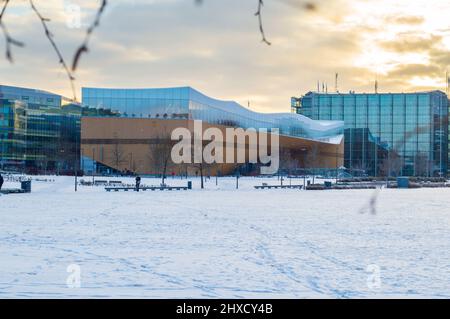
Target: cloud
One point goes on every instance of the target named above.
(406, 20)
(412, 43)
(414, 76)
(440, 56)
(406, 71)
(216, 47)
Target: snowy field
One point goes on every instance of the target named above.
(223, 242)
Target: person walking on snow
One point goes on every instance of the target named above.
(138, 183)
(1, 181)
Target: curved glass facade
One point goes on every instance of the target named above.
(185, 102)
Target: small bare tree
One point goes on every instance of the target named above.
(202, 166)
(160, 152)
(363, 166)
(117, 153)
(396, 164)
(421, 164)
(391, 165)
(288, 161)
(383, 166)
(311, 159)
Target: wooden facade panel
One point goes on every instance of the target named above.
(102, 138)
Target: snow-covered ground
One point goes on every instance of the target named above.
(224, 243)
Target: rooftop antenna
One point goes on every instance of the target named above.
(326, 88)
(447, 77)
(336, 83)
(318, 87)
(376, 82)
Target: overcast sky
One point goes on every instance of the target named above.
(216, 47)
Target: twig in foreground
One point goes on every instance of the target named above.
(84, 46)
(9, 41)
(261, 28)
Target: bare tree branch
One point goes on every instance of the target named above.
(261, 28)
(49, 36)
(9, 41)
(84, 46)
(259, 15)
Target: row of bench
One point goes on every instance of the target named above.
(100, 183)
(279, 187)
(144, 189)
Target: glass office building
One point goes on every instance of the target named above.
(187, 103)
(39, 131)
(387, 134)
(148, 114)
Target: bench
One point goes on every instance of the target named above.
(265, 186)
(7, 191)
(144, 189)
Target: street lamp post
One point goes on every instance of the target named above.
(304, 150)
(337, 170)
(389, 169)
(131, 163)
(94, 167)
(75, 166)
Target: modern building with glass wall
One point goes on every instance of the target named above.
(165, 109)
(187, 103)
(387, 134)
(39, 131)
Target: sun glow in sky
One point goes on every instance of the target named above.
(401, 33)
(216, 47)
